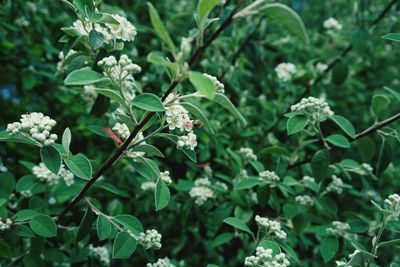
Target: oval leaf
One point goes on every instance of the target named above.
(344, 124)
(80, 166)
(83, 77)
(124, 246)
(338, 140)
(161, 195)
(51, 158)
(148, 102)
(103, 227)
(43, 225)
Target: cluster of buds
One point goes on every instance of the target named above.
(148, 186)
(308, 179)
(336, 185)
(123, 30)
(285, 71)
(36, 126)
(121, 73)
(165, 262)
(45, 175)
(338, 228)
(178, 118)
(63, 57)
(332, 24)
(305, 200)
(247, 153)
(202, 191)
(100, 253)
(392, 204)
(166, 177)
(321, 67)
(5, 224)
(315, 109)
(220, 86)
(270, 177)
(151, 239)
(265, 257)
(271, 227)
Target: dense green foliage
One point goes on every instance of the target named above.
(290, 146)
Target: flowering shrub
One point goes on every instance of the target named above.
(199, 133)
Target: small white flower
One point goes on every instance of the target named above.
(285, 71)
(148, 186)
(165, 262)
(5, 224)
(220, 86)
(270, 177)
(336, 185)
(392, 204)
(338, 228)
(101, 253)
(265, 257)
(321, 67)
(304, 200)
(270, 227)
(36, 126)
(188, 141)
(165, 177)
(332, 24)
(151, 239)
(201, 192)
(122, 130)
(247, 153)
(45, 175)
(314, 108)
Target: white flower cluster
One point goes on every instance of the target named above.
(151, 239)
(308, 179)
(101, 253)
(166, 177)
(62, 58)
(392, 204)
(121, 73)
(201, 191)
(265, 257)
(165, 262)
(270, 177)
(338, 228)
(188, 141)
(220, 86)
(148, 186)
(89, 93)
(271, 227)
(36, 126)
(5, 224)
(314, 108)
(336, 185)
(185, 48)
(321, 67)
(285, 71)
(45, 175)
(26, 193)
(124, 30)
(305, 200)
(247, 153)
(122, 130)
(178, 118)
(332, 24)
(367, 168)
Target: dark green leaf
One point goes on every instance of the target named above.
(51, 158)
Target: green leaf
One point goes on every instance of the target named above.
(268, 244)
(96, 39)
(161, 195)
(340, 72)
(148, 102)
(204, 8)
(344, 124)
(51, 158)
(287, 17)
(103, 227)
(222, 239)
(238, 224)
(198, 113)
(202, 84)
(338, 140)
(247, 183)
(111, 94)
(290, 210)
(296, 124)
(130, 222)
(43, 225)
(392, 37)
(84, 76)
(274, 150)
(320, 163)
(393, 242)
(80, 166)
(7, 137)
(328, 248)
(86, 224)
(124, 246)
(379, 104)
(2, 202)
(224, 101)
(66, 139)
(24, 215)
(5, 250)
(160, 29)
(24, 231)
(26, 182)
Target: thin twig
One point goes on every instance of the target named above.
(114, 158)
(370, 130)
